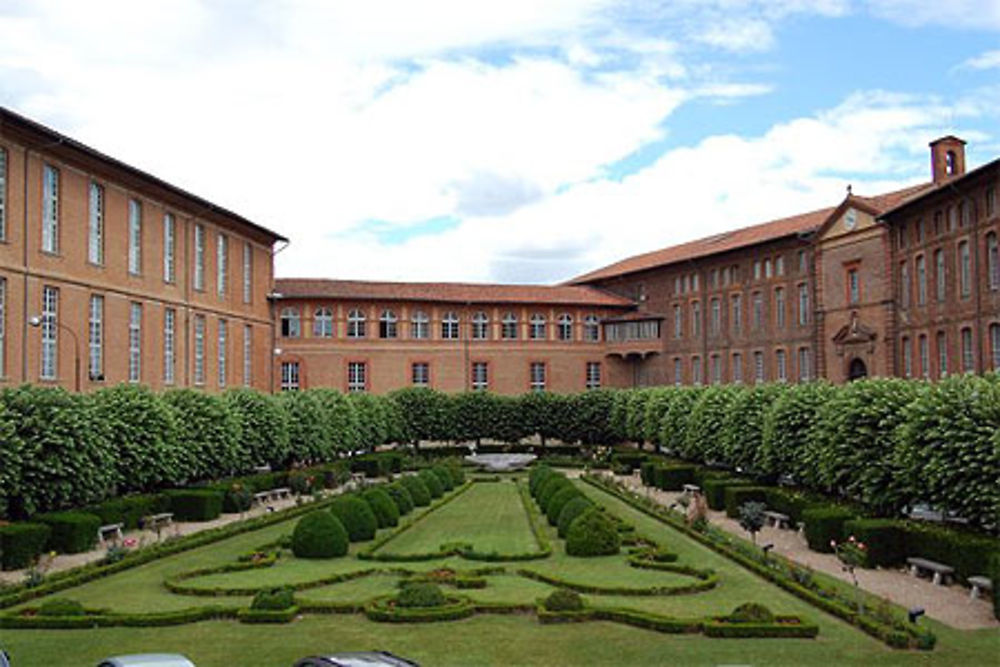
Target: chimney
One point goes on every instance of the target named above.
(947, 158)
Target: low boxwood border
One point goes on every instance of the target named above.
(368, 553)
(268, 615)
(707, 581)
(108, 620)
(378, 609)
(788, 627)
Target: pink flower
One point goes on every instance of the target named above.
(861, 545)
(833, 543)
(850, 539)
(130, 542)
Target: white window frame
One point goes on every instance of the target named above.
(420, 374)
(169, 346)
(992, 261)
(50, 209)
(757, 304)
(290, 376)
(480, 326)
(169, 248)
(805, 364)
(593, 378)
(480, 376)
(95, 224)
(450, 326)
(247, 355)
(759, 369)
(322, 323)
(781, 365)
(356, 323)
(592, 329)
(923, 350)
(736, 371)
(940, 275)
(50, 333)
(942, 350)
(247, 272)
(736, 313)
(678, 322)
(199, 350)
(696, 370)
(695, 319)
(3, 196)
(537, 327)
(968, 359)
(134, 237)
(420, 325)
(199, 257)
(921, 267)
(716, 315)
(3, 327)
(536, 375)
(564, 327)
(134, 342)
(221, 358)
(964, 269)
(995, 345)
(803, 304)
(508, 326)
(388, 324)
(906, 356)
(95, 338)
(678, 371)
(291, 322)
(716, 363)
(222, 264)
(779, 307)
(357, 377)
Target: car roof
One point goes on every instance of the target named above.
(366, 659)
(147, 660)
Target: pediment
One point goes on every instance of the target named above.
(855, 333)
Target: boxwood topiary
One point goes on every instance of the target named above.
(72, 532)
(357, 517)
(419, 492)
(824, 524)
(751, 612)
(736, 496)
(549, 488)
(195, 504)
(558, 501)
(563, 600)
(570, 511)
(593, 533)
(21, 543)
(401, 496)
(447, 483)
(431, 481)
(456, 472)
(382, 505)
(61, 607)
(538, 475)
(420, 594)
(319, 534)
(275, 599)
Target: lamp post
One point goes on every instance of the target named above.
(37, 321)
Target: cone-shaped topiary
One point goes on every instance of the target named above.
(357, 517)
(593, 533)
(319, 535)
(570, 511)
(401, 496)
(558, 501)
(419, 492)
(433, 483)
(386, 512)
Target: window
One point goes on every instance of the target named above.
(95, 338)
(419, 325)
(904, 285)
(737, 369)
(768, 270)
(677, 285)
(713, 278)
(779, 307)
(991, 200)
(716, 317)
(696, 370)
(678, 322)
(925, 356)
(725, 277)
(222, 264)
(694, 282)
(906, 356)
(564, 327)
(758, 311)
(169, 245)
(247, 272)
(803, 304)
(942, 350)
(756, 269)
(736, 313)
(938, 223)
(134, 237)
(449, 326)
(322, 323)
(591, 329)
(779, 265)
(50, 209)
(853, 286)
(291, 326)
(940, 276)
(995, 346)
(901, 236)
(480, 376)
(480, 326)
(964, 269)
(716, 363)
(247, 355)
(537, 373)
(968, 211)
(169, 363)
(594, 374)
(387, 324)
(357, 376)
(95, 226)
(968, 362)
(695, 318)
(759, 372)
(508, 328)
(3, 197)
(803, 261)
(135, 342)
(199, 349)
(781, 365)
(678, 371)
(921, 281)
(952, 218)
(420, 372)
(355, 324)
(50, 340)
(3, 327)
(199, 257)
(536, 330)
(805, 365)
(992, 261)
(289, 376)
(640, 330)
(223, 335)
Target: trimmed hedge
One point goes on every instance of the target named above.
(593, 534)
(444, 476)
(21, 544)
(357, 517)
(401, 497)
(71, 532)
(558, 501)
(673, 477)
(195, 504)
(792, 501)
(551, 487)
(419, 492)
(382, 505)
(319, 535)
(432, 482)
(714, 489)
(824, 524)
(570, 511)
(967, 552)
(736, 496)
(884, 540)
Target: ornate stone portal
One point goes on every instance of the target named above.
(855, 342)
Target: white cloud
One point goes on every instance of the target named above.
(986, 60)
(974, 14)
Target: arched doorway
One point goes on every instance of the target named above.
(856, 370)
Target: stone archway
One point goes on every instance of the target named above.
(857, 370)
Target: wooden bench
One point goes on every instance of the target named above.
(777, 519)
(112, 529)
(979, 584)
(940, 571)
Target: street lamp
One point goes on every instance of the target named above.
(37, 321)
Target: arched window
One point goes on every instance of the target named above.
(387, 324)
(480, 326)
(565, 327)
(291, 326)
(449, 326)
(509, 326)
(355, 324)
(322, 323)
(419, 325)
(537, 329)
(950, 163)
(964, 269)
(992, 261)
(591, 329)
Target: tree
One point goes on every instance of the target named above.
(752, 518)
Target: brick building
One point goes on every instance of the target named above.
(109, 275)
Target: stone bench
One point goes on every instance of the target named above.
(691, 489)
(940, 571)
(272, 494)
(112, 529)
(777, 519)
(979, 584)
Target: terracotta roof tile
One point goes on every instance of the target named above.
(448, 292)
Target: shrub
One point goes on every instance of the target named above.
(550, 487)
(209, 434)
(674, 423)
(237, 498)
(791, 429)
(357, 517)
(195, 504)
(563, 599)
(673, 477)
(61, 607)
(647, 473)
(21, 544)
(419, 492)
(751, 516)
(425, 413)
(558, 501)
(342, 424)
(319, 534)
(399, 494)
(444, 476)
(538, 474)
(570, 511)
(308, 430)
(884, 540)
(372, 419)
(264, 426)
(71, 532)
(823, 525)
(751, 612)
(703, 437)
(275, 599)
(382, 505)
(590, 412)
(420, 594)
(454, 468)
(431, 481)
(968, 553)
(715, 490)
(792, 501)
(736, 496)
(743, 429)
(592, 534)
(128, 510)
(994, 574)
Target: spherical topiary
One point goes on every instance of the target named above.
(538, 475)
(563, 600)
(593, 533)
(61, 607)
(432, 482)
(357, 517)
(456, 472)
(275, 599)
(419, 492)
(420, 595)
(319, 535)
(401, 496)
(558, 501)
(444, 477)
(751, 612)
(382, 505)
(549, 488)
(572, 509)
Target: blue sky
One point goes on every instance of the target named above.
(517, 141)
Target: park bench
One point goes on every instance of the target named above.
(113, 530)
(940, 571)
(777, 519)
(691, 489)
(157, 522)
(272, 494)
(979, 584)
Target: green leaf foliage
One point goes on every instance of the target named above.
(432, 482)
(264, 427)
(372, 419)
(674, 423)
(570, 511)
(209, 435)
(635, 420)
(425, 413)
(357, 517)
(401, 496)
(743, 428)
(558, 501)
(419, 492)
(704, 433)
(382, 505)
(342, 424)
(319, 534)
(593, 533)
(618, 419)
(791, 430)
(308, 430)
(656, 408)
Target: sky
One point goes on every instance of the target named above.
(521, 141)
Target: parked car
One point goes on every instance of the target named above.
(4, 658)
(356, 659)
(147, 660)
